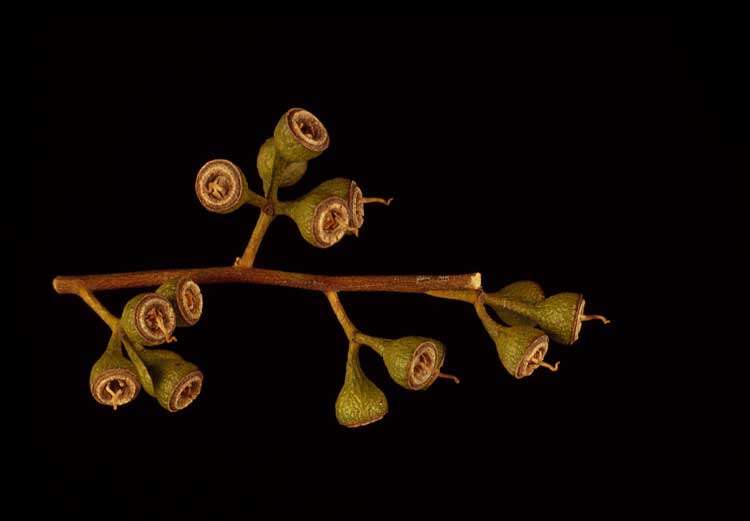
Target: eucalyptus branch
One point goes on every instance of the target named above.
(240, 275)
(324, 216)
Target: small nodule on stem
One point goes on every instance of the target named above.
(605, 320)
(380, 200)
(449, 377)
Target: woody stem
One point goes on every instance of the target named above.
(338, 310)
(97, 306)
(251, 250)
(239, 275)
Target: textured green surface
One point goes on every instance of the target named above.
(556, 315)
(113, 361)
(270, 163)
(526, 291)
(337, 186)
(140, 368)
(167, 369)
(287, 144)
(398, 355)
(513, 343)
(265, 161)
(128, 322)
(168, 290)
(360, 401)
(302, 212)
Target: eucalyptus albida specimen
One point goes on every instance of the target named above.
(324, 216)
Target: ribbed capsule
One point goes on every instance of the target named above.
(413, 362)
(113, 380)
(560, 315)
(352, 194)
(221, 186)
(300, 136)
(177, 383)
(322, 218)
(185, 297)
(360, 402)
(149, 319)
(521, 349)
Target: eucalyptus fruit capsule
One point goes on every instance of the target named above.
(526, 291)
(185, 297)
(176, 382)
(272, 165)
(113, 380)
(300, 136)
(149, 319)
(360, 402)
(521, 348)
(352, 193)
(561, 315)
(322, 219)
(414, 362)
(221, 186)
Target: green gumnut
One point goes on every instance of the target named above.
(525, 291)
(113, 379)
(300, 136)
(271, 164)
(221, 186)
(149, 319)
(360, 402)
(322, 218)
(414, 362)
(186, 299)
(560, 316)
(519, 348)
(176, 382)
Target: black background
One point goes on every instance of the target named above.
(545, 148)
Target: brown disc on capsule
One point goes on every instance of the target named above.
(307, 129)
(425, 366)
(534, 358)
(330, 221)
(220, 186)
(152, 321)
(115, 387)
(189, 300)
(186, 390)
(356, 205)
